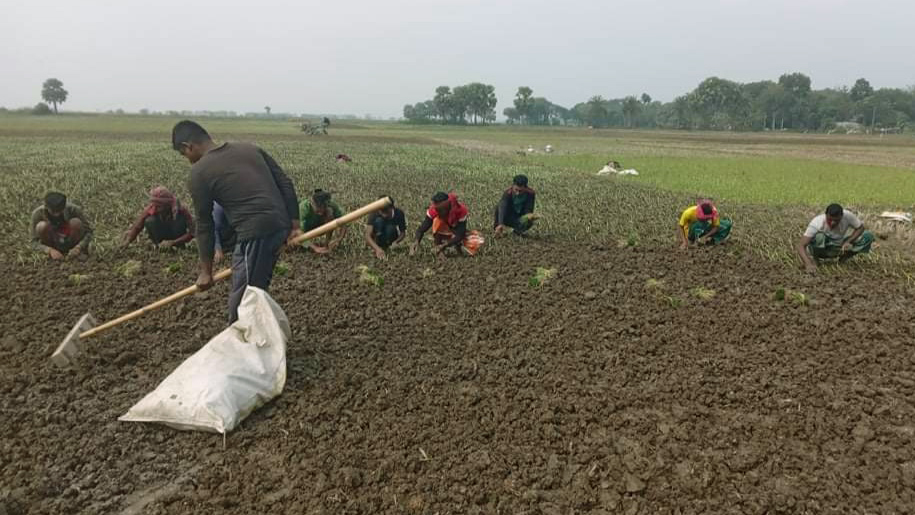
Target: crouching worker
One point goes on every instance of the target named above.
(516, 209)
(447, 217)
(825, 237)
(384, 228)
(60, 229)
(317, 211)
(167, 223)
(701, 224)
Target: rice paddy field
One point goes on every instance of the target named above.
(588, 368)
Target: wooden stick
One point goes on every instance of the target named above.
(226, 272)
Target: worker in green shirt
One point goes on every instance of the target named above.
(317, 211)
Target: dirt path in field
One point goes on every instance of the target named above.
(456, 388)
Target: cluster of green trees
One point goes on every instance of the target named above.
(789, 103)
(471, 103)
(716, 104)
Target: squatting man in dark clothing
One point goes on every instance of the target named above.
(60, 229)
(259, 201)
(516, 209)
(385, 228)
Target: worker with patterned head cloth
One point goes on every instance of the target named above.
(701, 224)
(167, 223)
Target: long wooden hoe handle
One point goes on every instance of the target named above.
(222, 274)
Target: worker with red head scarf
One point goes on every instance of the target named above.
(167, 223)
(447, 217)
(701, 224)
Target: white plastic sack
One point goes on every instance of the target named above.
(236, 372)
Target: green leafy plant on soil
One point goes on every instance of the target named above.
(795, 297)
(77, 279)
(173, 268)
(799, 299)
(281, 268)
(427, 272)
(654, 284)
(128, 268)
(541, 276)
(369, 276)
(702, 293)
(673, 301)
(779, 294)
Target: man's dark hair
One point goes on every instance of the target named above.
(55, 201)
(520, 180)
(187, 131)
(439, 197)
(321, 197)
(834, 210)
(707, 209)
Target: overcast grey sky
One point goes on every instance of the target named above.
(372, 57)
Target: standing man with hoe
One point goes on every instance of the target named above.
(258, 198)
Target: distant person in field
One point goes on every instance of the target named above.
(60, 229)
(317, 211)
(516, 208)
(447, 217)
(259, 201)
(223, 234)
(702, 225)
(385, 228)
(167, 223)
(826, 237)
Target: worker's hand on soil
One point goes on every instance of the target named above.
(166, 244)
(126, 240)
(846, 247)
(379, 253)
(218, 256)
(811, 269)
(55, 254)
(499, 230)
(684, 246)
(413, 248)
(75, 251)
(319, 249)
(204, 281)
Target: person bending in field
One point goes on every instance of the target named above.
(317, 211)
(384, 228)
(167, 223)
(60, 228)
(223, 234)
(447, 217)
(259, 201)
(701, 224)
(516, 209)
(826, 237)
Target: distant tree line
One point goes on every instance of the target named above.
(715, 104)
(473, 103)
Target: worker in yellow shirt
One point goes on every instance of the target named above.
(701, 224)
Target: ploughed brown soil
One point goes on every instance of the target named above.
(456, 388)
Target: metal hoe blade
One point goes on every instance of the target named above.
(66, 353)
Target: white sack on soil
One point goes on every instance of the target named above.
(236, 372)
